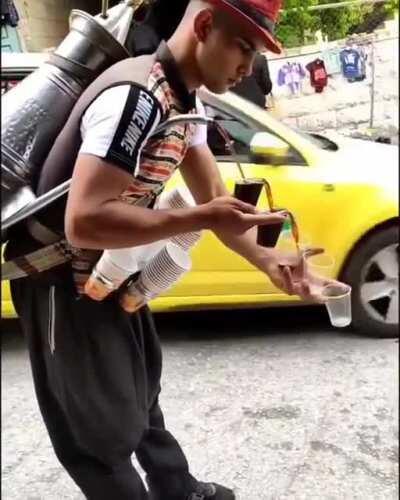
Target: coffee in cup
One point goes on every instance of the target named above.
(248, 190)
(268, 235)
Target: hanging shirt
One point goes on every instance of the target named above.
(318, 75)
(350, 59)
(291, 75)
(331, 58)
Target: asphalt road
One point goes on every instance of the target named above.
(275, 403)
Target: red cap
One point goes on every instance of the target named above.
(260, 14)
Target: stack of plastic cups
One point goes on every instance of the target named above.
(147, 287)
(115, 266)
(158, 275)
(180, 198)
(107, 275)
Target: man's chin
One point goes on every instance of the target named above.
(218, 88)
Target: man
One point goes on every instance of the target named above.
(258, 85)
(96, 368)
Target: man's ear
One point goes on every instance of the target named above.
(202, 24)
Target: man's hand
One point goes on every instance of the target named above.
(226, 214)
(290, 273)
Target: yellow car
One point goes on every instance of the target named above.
(343, 194)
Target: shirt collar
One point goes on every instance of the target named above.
(174, 77)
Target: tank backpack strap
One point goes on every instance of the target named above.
(38, 261)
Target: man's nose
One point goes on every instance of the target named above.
(247, 68)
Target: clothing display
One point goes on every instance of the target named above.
(351, 64)
(291, 74)
(331, 58)
(318, 75)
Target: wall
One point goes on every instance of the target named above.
(344, 107)
(44, 23)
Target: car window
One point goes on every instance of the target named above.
(241, 134)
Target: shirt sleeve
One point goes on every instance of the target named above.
(200, 135)
(118, 123)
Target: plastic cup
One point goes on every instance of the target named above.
(319, 265)
(164, 269)
(177, 198)
(180, 198)
(337, 298)
(186, 240)
(248, 190)
(268, 235)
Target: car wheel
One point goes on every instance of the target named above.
(373, 273)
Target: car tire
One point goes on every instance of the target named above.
(372, 262)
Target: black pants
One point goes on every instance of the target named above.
(96, 372)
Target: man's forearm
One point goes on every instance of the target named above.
(118, 225)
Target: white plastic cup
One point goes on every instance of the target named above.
(177, 198)
(144, 253)
(163, 270)
(159, 274)
(337, 298)
(180, 198)
(117, 264)
(320, 265)
(186, 240)
(108, 275)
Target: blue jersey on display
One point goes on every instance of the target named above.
(350, 59)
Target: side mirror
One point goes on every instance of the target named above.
(268, 148)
